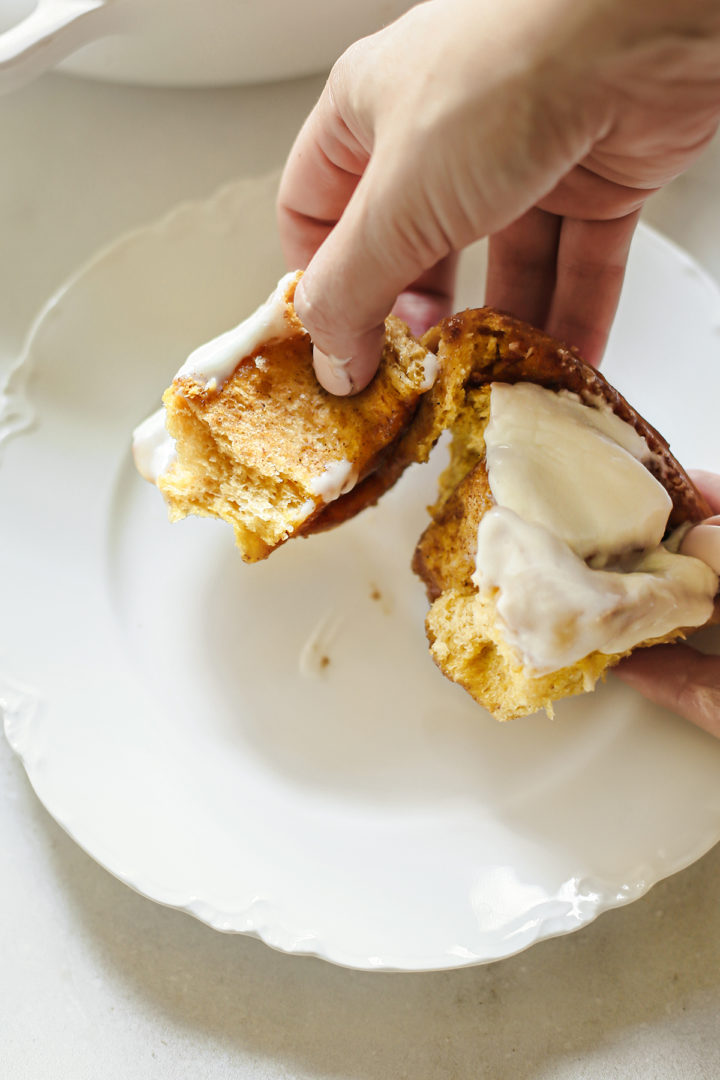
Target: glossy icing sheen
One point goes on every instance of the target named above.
(572, 496)
(339, 478)
(213, 363)
(431, 367)
(575, 470)
(153, 447)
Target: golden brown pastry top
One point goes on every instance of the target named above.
(489, 346)
(479, 346)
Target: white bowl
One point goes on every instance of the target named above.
(182, 42)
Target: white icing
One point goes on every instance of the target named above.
(539, 557)
(575, 470)
(217, 359)
(431, 367)
(555, 609)
(339, 478)
(153, 447)
(304, 512)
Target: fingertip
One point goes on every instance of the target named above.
(708, 483)
(350, 375)
(345, 359)
(703, 542)
(366, 356)
(332, 373)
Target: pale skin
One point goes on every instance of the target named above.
(542, 124)
(678, 676)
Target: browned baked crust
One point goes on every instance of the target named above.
(480, 346)
(476, 348)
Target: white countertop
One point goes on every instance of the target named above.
(96, 981)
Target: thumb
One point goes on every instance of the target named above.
(382, 243)
(703, 541)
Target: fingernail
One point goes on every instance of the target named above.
(332, 372)
(703, 542)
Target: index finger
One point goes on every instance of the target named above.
(708, 484)
(319, 178)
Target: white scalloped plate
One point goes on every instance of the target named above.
(171, 706)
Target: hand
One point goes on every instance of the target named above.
(677, 676)
(543, 123)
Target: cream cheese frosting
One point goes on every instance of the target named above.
(153, 447)
(575, 470)
(213, 363)
(336, 480)
(431, 368)
(572, 551)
